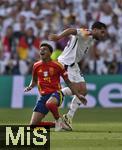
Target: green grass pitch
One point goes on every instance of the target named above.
(94, 129)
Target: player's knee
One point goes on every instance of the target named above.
(83, 90)
(49, 104)
(31, 124)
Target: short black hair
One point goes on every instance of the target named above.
(47, 45)
(98, 25)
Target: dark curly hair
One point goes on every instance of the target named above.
(47, 45)
(98, 25)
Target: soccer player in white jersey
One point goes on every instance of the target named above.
(77, 47)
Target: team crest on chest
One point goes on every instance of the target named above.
(45, 73)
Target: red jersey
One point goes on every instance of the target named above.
(48, 76)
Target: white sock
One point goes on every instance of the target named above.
(66, 91)
(73, 106)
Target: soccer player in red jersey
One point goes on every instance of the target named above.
(46, 75)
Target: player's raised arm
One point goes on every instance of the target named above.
(65, 33)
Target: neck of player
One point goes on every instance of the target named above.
(46, 59)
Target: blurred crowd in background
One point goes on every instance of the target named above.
(26, 23)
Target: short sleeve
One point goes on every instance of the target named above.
(62, 71)
(64, 74)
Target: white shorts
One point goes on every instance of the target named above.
(74, 73)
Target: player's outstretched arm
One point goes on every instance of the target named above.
(31, 85)
(65, 33)
(75, 91)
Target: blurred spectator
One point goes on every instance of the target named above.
(28, 45)
(23, 68)
(8, 40)
(106, 13)
(2, 63)
(113, 67)
(12, 66)
(96, 63)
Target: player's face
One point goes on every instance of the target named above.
(99, 34)
(45, 53)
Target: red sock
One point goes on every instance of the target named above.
(53, 108)
(46, 123)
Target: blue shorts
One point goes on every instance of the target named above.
(40, 105)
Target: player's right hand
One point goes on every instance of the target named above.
(28, 88)
(82, 99)
(53, 37)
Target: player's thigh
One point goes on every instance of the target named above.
(36, 117)
(56, 97)
(52, 100)
(40, 106)
(74, 74)
(78, 79)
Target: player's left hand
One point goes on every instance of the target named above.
(82, 99)
(27, 89)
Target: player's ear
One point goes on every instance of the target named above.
(50, 53)
(95, 29)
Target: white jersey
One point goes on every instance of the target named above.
(76, 48)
